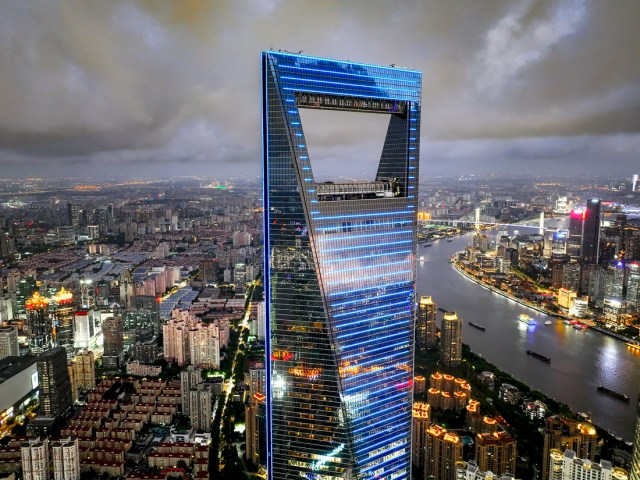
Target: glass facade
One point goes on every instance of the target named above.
(340, 277)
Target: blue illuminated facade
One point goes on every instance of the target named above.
(340, 277)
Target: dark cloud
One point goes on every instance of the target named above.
(175, 84)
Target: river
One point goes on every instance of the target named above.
(580, 361)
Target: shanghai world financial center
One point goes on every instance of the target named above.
(339, 276)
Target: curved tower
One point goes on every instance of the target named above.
(340, 277)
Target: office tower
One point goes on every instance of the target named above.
(190, 377)
(39, 325)
(35, 459)
(426, 323)
(496, 452)
(25, 289)
(63, 316)
(444, 450)
(632, 297)
(112, 331)
(65, 455)
(564, 433)
(557, 264)
(255, 433)
(86, 327)
(451, 339)
(85, 370)
(200, 402)
(55, 386)
(421, 424)
(634, 182)
(74, 215)
(568, 466)
(9, 342)
(339, 276)
(591, 231)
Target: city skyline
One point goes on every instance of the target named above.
(139, 89)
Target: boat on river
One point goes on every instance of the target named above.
(539, 356)
(524, 318)
(477, 325)
(422, 258)
(548, 322)
(613, 393)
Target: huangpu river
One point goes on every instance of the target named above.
(580, 361)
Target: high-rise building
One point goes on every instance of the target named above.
(200, 403)
(74, 215)
(25, 288)
(9, 342)
(255, 433)
(496, 452)
(563, 433)
(112, 331)
(426, 323)
(35, 459)
(421, 424)
(65, 454)
(87, 293)
(451, 339)
(591, 231)
(190, 377)
(444, 450)
(568, 466)
(63, 320)
(55, 386)
(204, 345)
(39, 325)
(85, 370)
(339, 276)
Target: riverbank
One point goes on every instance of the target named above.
(458, 268)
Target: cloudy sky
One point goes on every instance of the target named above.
(163, 87)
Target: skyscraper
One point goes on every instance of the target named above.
(591, 231)
(55, 386)
(451, 339)
(426, 323)
(63, 320)
(340, 276)
(39, 325)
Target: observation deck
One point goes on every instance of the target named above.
(331, 191)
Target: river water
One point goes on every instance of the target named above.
(580, 361)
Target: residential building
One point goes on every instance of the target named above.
(451, 339)
(426, 323)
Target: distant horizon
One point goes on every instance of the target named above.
(144, 89)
